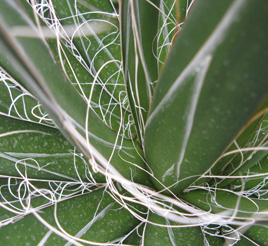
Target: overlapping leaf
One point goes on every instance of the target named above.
(70, 111)
(90, 217)
(84, 38)
(139, 56)
(219, 81)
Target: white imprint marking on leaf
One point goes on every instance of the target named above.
(45, 238)
(95, 219)
(56, 231)
(191, 108)
(73, 31)
(168, 172)
(213, 41)
(22, 131)
(171, 234)
(35, 155)
(25, 163)
(198, 67)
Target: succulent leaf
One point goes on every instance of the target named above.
(200, 107)
(140, 122)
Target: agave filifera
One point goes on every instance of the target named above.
(135, 122)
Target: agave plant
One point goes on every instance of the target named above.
(138, 122)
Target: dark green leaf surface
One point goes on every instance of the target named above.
(246, 150)
(254, 180)
(257, 235)
(157, 235)
(218, 201)
(89, 52)
(218, 83)
(139, 56)
(40, 152)
(183, 9)
(60, 99)
(94, 217)
(106, 102)
(172, 15)
(91, 37)
(19, 103)
(246, 159)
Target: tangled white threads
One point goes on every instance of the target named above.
(22, 104)
(26, 190)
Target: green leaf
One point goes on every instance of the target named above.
(138, 53)
(228, 203)
(218, 83)
(16, 101)
(184, 6)
(135, 238)
(72, 114)
(88, 51)
(92, 216)
(254, 180)
(172, 15)
(212, 81)
(163, 232)
(108, 99)
(256, 143)
(37, 151)
(41, 152)
(245, 151)
(256, 235)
